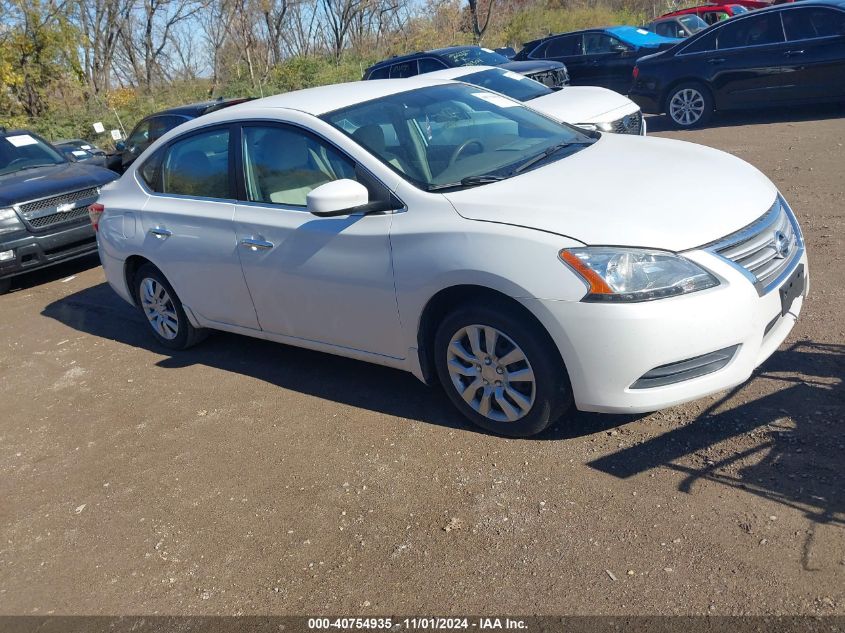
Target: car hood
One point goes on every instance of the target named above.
(531, 66)
(628, 190)
(41, 182)
(582, 104)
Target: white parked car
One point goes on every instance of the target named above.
(588, 107)
(446, 230)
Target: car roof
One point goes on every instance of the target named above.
(201, 107)
(434, 52)
(318, 101)
(459, 71)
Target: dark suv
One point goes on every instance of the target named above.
(552, 74)
(151, 128)
(44, 201)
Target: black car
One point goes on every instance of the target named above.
(44, 202)
(81, 152)
(782, 55)
(149, 129)
(677, 26)
(552, 74)
(598, 57)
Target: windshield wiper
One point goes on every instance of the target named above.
(545, 154)
(469, 181)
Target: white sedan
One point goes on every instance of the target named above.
(588, 107)
(449, 231)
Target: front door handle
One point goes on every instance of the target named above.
(718, 60)
(160, 232)
(255, 244)
(793, 53)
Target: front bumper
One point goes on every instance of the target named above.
(34, 251)
(607, 348)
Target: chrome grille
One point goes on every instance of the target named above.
(766, 249)
(629, 124)
(66, 207)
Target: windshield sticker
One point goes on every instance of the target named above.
(642, 31)
(79, 152)
(486, 50)
(512, 75)
(499, 100)
(21, 140)
(85, 146)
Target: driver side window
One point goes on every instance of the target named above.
(282, 165)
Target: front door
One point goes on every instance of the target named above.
(319, 279)
(814, 59)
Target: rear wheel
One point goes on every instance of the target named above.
(689, 105)
(163, 310)
(500, 370)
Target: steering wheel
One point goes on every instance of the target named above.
(460, 149)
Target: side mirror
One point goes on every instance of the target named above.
(339, 197)
(120, 146)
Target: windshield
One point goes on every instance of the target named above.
(474, 56)
(693, 23)
(440, 136)
(22, 151)
(509, 83)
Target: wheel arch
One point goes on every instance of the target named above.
(450, 298)
(664, 99)
(130, 267)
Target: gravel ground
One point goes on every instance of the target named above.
(247, 477)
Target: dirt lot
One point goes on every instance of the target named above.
(246, 477)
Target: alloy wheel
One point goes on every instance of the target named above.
(491, 373)
(687, 106)
(159, 309)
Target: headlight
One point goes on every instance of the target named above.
(596, 127)
(633, 274)
(9, 221)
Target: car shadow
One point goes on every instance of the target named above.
(54, 273)
(98, 311)
(795, 437)
(792, 114)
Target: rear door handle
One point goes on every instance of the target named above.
(255, 244)
(793, 53)
(718, 60)
(160, 232)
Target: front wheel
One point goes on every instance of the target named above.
(689, 105)
(163, 310)
(500, 370)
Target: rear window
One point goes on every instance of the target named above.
(197, 166)
(752, 31)
(380, 73)
(814, 22)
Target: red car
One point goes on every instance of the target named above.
(712, 13)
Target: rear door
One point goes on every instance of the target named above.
(569, 50)
(814, 62)
(609, 61)
(188, 229)
(746, 68)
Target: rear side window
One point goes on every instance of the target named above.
(403, 69)
(702, 44)
(753, 31)
(150, 170)
(811, 23)
(197, 166)
(380, 73)
(567, 46)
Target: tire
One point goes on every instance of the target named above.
(689, 105)
(493, 405)
(5, 285)
(163, 311)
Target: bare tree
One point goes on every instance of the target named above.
(339, 17)
(479, 24)
(99, 23)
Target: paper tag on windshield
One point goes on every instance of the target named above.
(85, 146)
(79, 152)
(498, 100)
(642, 31)
(486, 49)
(512, 75)
(21, 140)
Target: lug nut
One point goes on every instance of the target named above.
(487, 361)
(498, 383)
(499, 370)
